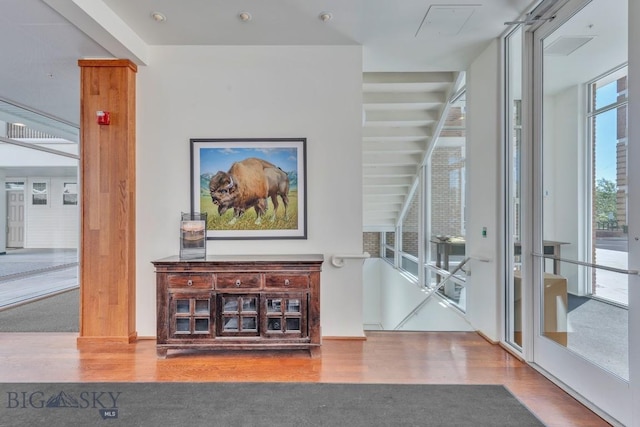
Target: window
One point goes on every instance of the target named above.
(70, 193)
(607, 124)
(39, 193)
(389, 245)
(410, 235)
(14, 185)
(448, 175)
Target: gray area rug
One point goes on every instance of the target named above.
(599, 332)
(57, 313)
(260, 404)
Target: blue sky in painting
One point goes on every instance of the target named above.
(213, 160)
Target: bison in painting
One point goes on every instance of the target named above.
(249, 184)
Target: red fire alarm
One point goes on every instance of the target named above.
(103, 117)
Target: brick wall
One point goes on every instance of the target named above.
(447, 167)
(371, 243)
(621, 156)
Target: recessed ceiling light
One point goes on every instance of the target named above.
(244, 16)
(326, 16)
(158, 17)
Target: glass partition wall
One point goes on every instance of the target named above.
(446, 205)
(39, 210)
(411, 234)
(513, 191)
(431, 231)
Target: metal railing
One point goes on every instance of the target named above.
(586, 264)
(431, 292)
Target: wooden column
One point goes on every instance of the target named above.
(108, 185)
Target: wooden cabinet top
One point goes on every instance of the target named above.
(243, 259)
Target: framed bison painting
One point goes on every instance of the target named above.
(250, 188)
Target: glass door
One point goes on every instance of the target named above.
(581, 193)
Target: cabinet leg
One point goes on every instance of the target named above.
(162, 353)
(315, 352)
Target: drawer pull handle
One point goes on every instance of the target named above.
(238, 283)
(286, 282)
(189, 282)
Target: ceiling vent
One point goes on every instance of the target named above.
(445, 20)
(566, 45)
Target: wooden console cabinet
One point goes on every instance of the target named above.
(264, 302)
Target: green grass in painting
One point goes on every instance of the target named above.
(247, 221)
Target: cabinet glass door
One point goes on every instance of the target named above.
(238, 315)
(285, 315)
(190, 315)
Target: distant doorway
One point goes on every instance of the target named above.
(15, 218)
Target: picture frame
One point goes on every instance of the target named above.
(239, 181)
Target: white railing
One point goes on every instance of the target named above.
(338, 260)
(430, 294)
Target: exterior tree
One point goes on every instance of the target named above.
(605, 200)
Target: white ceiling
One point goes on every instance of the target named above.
(40, 52)
(387, 29)
(413, 53)
(40, 48)
(607, 43)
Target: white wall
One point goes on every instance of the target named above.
(53, 225)
(397, 296)
(16, 156)
(484, 190)
(254, 91)
(372, 294)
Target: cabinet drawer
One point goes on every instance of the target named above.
(190, 281)
(287, 281)
(237, 281)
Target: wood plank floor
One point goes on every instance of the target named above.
(384, 357)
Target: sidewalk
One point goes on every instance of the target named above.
(610, 285)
